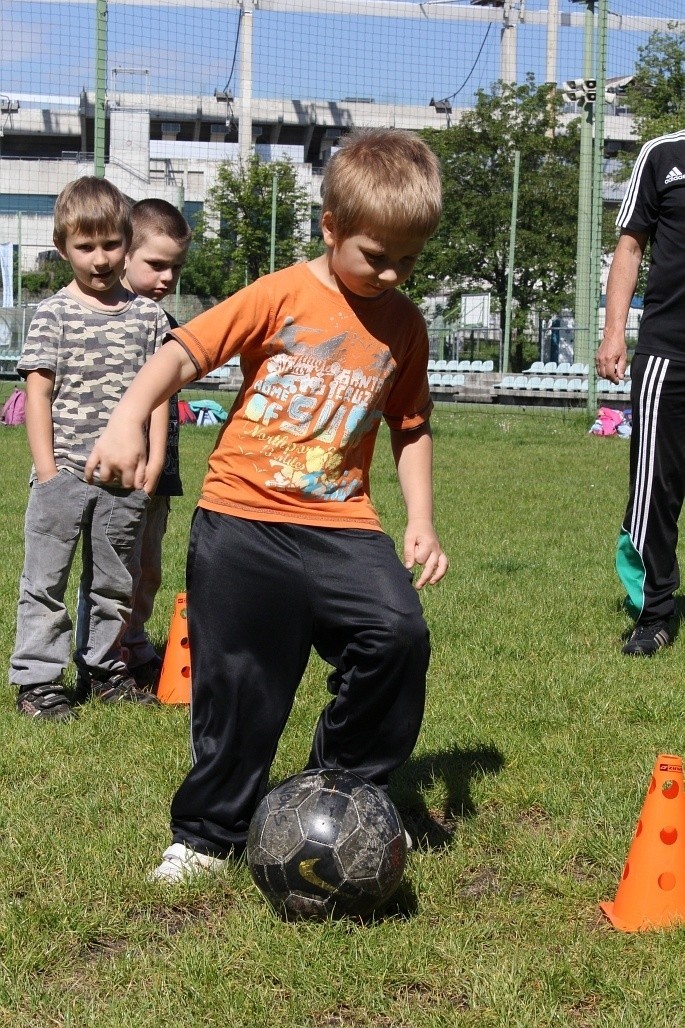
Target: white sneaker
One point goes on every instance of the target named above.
(180, 862)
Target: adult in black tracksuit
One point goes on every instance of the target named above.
(653, 210)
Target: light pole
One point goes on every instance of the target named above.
(584, 91)
(590, 172)
(597, 197)
(100, 112)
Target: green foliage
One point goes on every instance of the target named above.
(657, 95)
(471, 247)
(53, 275)
(232, 239)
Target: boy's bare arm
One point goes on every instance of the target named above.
(120, 454)
(39, 427)
(159, 429)
(413, 453)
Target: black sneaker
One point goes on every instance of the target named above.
(117, 688)
(47, 702)
(146, 675)
(647, 639)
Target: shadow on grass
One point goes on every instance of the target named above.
(456, 769)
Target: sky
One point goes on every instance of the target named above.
(48, 48)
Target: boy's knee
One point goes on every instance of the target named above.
(406, 632)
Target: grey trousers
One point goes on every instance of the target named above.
(60, 512)
(146, 571)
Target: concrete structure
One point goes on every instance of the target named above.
(171, 146)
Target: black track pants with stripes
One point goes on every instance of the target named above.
(646, 552)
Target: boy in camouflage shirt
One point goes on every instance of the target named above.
(84, 347)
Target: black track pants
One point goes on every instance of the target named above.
(260, 595)
(646, 552)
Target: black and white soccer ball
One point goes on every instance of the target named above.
(326, 843)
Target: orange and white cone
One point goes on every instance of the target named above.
(174, 678)
(651, 893)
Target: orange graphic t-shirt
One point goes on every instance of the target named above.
(320, 369)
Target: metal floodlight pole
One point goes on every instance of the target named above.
(597, 194)
(274, 203)
(100, 88)
(19, 260)
(245, 108)
(510, 267)
(584, 237)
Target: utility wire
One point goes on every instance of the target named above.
(473, 68)
(235, 50)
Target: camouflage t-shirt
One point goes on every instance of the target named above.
(94, 356)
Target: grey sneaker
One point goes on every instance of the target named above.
(646, 639)
(47, 702)
(117, 688)
(180, 862)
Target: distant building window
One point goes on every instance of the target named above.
(26, 203)
(191, 209)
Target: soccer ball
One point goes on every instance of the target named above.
(326, 843)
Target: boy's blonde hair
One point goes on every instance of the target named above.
(385, 180)
(91, 206)
(155, 217)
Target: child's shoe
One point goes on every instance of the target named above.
(146, 675)
(116, 688)
(180, 862)
(47, 702)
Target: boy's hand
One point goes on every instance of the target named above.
(422, 546)
(120, 456)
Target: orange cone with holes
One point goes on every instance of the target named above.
(651, 893)
(174, 678)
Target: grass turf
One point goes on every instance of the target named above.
(524, 789)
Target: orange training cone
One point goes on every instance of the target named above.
(174, 678)
(651, 893)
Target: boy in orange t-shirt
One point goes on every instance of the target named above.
(286, 550)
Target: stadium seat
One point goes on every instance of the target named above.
(441, 365)
(476, 366)
(520, 382)
(431, 365)
(536, 368)
(577, 369)
(534, 382)
(505, 383)
(584, 385)
(564, 368)
(547, 383)
(434, 380)
(560, 385)
(550, 368)
(464, 365)
(453, 365)
(458, 379)
(488, 366)
(575, 385)
(234, 362)
(604, 385)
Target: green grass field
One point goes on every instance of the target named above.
(525, 788)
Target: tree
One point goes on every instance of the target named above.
(471, 247)
(232, 238)
(656, 96)
(53, 274)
